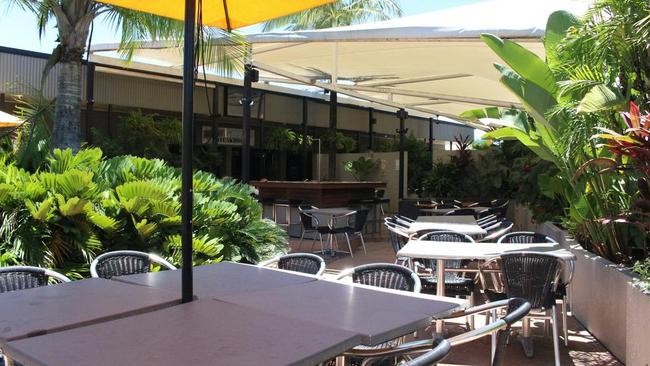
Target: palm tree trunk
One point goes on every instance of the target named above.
(67, 108)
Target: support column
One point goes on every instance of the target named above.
(250, 76)
(331, 156)
(371, 129)
(305, 115)
(187, 147)
(90, 97)
(431, 121)
(402, 115)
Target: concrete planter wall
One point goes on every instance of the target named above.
(605, 300)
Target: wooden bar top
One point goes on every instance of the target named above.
(318, 193)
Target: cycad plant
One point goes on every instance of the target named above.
(77, 206)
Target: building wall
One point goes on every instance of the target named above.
(156, 93)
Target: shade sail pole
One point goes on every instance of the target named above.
(402, 115)
(188, 144)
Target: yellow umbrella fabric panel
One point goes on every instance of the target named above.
(240, 12)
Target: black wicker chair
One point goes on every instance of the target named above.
(501, 203)
(24, 277)
(534, 277)
(398, 237)
(525, 237)
(125, 262)
(499, 212)
(435, 350)
(385, 275)
(298, 262)
(562, 292)
(455, 283)
(481, 204)
(310, 225)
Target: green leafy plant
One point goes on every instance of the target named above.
(556, 129)
(343, 143)
(363, 169)
(278, 138)
(642, 268)
(76, 206)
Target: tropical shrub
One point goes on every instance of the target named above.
(76, 206)
(279, 138)
(564, 100)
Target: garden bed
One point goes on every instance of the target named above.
(605, 299)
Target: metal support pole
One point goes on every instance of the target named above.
(188, 145)
(250, 76)
(90, 97)
(431, 135)
(371, 129)
(402, 115)
(331, 156)
(305, 115)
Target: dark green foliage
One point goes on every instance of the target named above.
(77, 206)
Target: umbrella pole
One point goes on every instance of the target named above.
(188, 144)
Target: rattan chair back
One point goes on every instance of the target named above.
(303, 263)
(531, 276)
(24, 277)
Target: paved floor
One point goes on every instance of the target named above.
(583, 350)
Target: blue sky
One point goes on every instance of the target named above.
(18, 28)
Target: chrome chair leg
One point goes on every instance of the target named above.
(565, 327)
(347, 237)
(556, 340)
(363, 243)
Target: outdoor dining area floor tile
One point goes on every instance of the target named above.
(583, 350)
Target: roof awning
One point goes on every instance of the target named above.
(433, 63)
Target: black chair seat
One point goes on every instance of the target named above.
(454, 286)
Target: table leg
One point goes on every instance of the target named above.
(440, 291)
(526, 338)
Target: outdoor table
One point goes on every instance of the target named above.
(42, 310)
(462, 224)
(202, 332)
(213, 281)
(377, 314)
(444, 211)
(441, 251)
(326, 217)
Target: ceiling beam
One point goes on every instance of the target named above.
(423, 94)
(427, 102)
(415, 80)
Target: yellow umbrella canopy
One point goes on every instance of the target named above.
(9, 120)
(225, 14)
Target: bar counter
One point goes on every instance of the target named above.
(320, 194)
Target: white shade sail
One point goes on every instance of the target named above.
(432, 63)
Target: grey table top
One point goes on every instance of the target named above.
(338, 211)
(378, 315)
(220, 279)
(481, 251)
(53, 308)
(462, 224)
(203, 332)
(442, 211)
